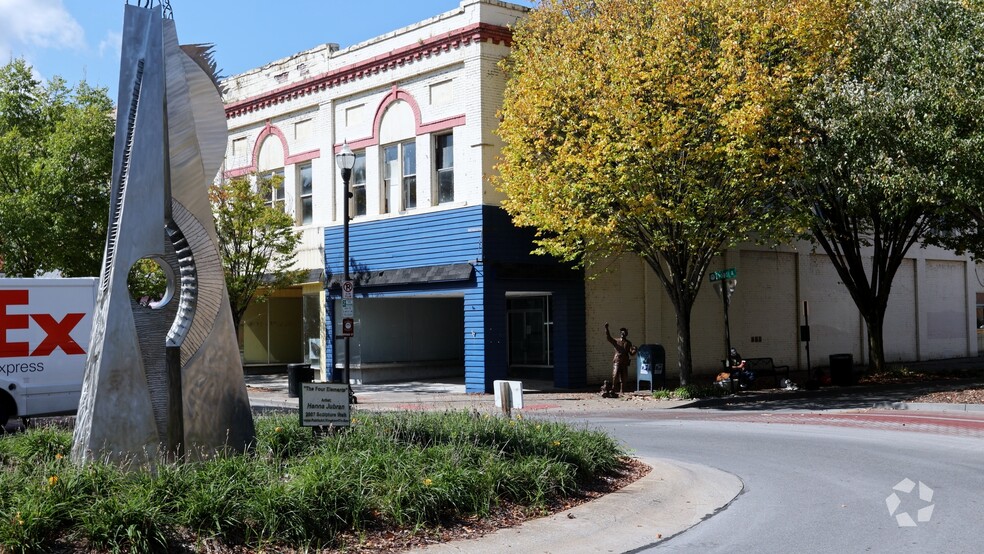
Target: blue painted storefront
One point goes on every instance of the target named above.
(474, 252)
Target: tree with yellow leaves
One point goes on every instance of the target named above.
(663, 128)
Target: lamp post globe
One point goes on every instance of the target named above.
(345, 159)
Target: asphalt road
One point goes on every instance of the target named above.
(820, 484)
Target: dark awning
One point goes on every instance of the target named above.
(312, 276)
(408, 275)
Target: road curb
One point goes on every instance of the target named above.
(929, 406)
(856, 391)
(674, 497)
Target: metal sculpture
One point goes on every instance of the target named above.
(163, 378)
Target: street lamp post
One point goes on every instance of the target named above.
(345, 160)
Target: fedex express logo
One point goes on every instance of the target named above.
(57, 333)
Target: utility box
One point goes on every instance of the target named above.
(842, 369)
(508, 394)
(297, 374)
(651, 365)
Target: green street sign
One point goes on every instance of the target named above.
(729, 273)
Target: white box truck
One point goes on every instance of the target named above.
(44, 337)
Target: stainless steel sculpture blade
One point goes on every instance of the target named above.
(163, 378)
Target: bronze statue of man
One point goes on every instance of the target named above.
(624, 350)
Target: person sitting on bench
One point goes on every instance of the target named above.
(738, 369)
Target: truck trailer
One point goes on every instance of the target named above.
(44, 339)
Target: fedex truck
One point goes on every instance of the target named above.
(44, 337)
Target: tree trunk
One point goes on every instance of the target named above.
(684, 359)
(678, 287)
(875, 322)
(237, 319)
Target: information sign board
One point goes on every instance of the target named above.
(325, 404)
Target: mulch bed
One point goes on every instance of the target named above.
(973, 395)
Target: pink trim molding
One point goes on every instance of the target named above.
(271, 130)
(475, 33)
(396, 95)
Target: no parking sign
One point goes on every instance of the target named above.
(348, 308)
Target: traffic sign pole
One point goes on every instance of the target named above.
(728, 278)
(725, 296)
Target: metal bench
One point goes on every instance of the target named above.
(765, 366)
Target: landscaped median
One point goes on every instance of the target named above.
(390, 478)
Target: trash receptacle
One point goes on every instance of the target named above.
(651, 365)
(842, 369)
(297, 374)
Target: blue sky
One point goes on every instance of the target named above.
(80, 39)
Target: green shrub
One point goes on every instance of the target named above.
(41, 445)
(280, 435)
(295, 489)
(131, 520)
(690, 392)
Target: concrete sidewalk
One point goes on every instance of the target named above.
(270, 391)
(674, 497)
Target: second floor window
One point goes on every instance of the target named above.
(359, 184)
(274, 189)
(444, 164)
(399, 176)
(409, 175)
(305, 204)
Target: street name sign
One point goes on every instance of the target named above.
(729, 273)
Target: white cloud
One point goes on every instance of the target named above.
(29, 24)
(111, 44)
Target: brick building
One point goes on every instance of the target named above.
(445, 285)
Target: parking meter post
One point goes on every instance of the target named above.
(505, 398)
(725, 282)
(805, 335)
(726, 298)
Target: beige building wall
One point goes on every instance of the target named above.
(764, 310)
(901, 319)
(945, 309)
(931, 313)
(618, 293)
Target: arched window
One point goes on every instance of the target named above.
(270, 172)
(398, 158)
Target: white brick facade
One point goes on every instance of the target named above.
(438, 76)
(441, 71)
